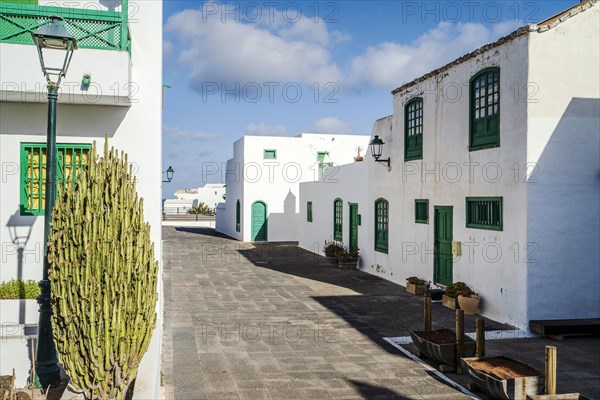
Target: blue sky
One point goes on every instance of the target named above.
(286, 67)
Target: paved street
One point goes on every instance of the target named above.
(271, 322)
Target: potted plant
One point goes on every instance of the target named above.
(358, 156)
(331, 250)
(348, 259)
(416, 285)
(449, 299)
(468, 300)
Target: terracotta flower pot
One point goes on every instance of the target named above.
(469, 304)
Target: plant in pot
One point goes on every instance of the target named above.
(449, 299)
(103, 278)
(358, 156)
(468, 300)
(348, 259)
(416, 285)
(331, 250)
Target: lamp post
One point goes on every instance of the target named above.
(170, 171)
(59, 45)
(376, 146)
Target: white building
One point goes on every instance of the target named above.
(497, 156)
(123, 58)
(210, 194)
(263, 176)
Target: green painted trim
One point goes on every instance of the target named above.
(338, 229)
(270, 154)
(418, 153)
(496, 143)
(381, 245)
(19, 20)
(480, 226)
(421, 220)
(20, 1)
(60, 147)
(238, 216)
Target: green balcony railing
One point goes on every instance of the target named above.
(93, 29)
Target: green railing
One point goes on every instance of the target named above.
(93, 29)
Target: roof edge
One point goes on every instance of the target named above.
(543, 26)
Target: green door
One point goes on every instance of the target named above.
(442, 264)
(259, 222)
(353, 227)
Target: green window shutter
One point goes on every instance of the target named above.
(321, 155)
(381, 225)
(70, 159)
(484, 213)
(422, 211)
(237, 216)
(270, 154)
(337, 219)
(413, 130)
(309, 213)
(485, 109)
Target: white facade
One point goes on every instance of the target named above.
(210, 194)
(348, 184)
(544, 262)
(123, 102)
(250, 178)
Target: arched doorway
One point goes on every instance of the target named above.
(259, 232)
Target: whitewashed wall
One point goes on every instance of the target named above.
(445, 178)
(251, 178)
(347, 182)
(135, 129)
(563, 223)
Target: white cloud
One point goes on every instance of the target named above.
(167, 48)
(262, 129)
(331, 125)
(230, 51)
(177, 134)
(390, 64)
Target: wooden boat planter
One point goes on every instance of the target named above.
(503, 377)
(418, 290)
(331, 260)
(441, 353)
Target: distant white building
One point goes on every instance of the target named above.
(210, 194)
(263, 176)
(494, 177)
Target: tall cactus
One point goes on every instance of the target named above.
(103, 277)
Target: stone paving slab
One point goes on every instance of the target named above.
(270, 322)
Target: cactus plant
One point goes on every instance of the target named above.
(103, 277)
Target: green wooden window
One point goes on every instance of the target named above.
(422, 211)
(270, 154)
(413, 130)
(70, 159)
(381, 225)
(337, 219)
(237, 216)
(484, 213)
(309, 215)
(485, 109)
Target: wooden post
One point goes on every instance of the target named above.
(550, 381)
(480, 337)
(460, 334)
(427, 313)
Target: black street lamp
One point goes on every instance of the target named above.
(59, 45)
(170, 171)
(376, 146)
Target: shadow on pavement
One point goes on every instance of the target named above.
(375, 392)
